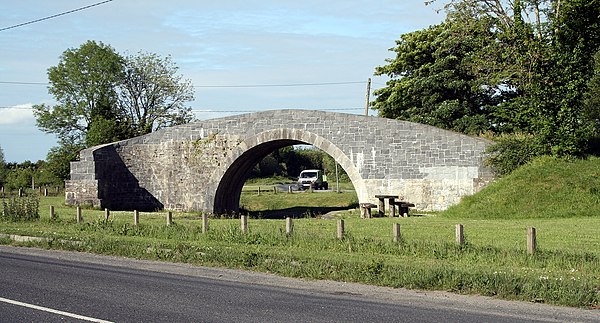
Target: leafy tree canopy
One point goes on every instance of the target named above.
(519, 66)
(84, 83)
(104, 97)
(152, 95)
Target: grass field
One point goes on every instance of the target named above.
(565, 269)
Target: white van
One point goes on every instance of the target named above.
(312, 177)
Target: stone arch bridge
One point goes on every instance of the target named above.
(202, 166)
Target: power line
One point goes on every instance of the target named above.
(223, 85)
(23, 83)
(54, 16)
(232, 111)
(279, 85)
(262, 110)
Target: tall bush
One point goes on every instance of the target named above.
(513, 150)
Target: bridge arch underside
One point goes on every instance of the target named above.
(229, 190)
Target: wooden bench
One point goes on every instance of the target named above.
(403, 207)
(365, 210)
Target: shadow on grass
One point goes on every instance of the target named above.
(296, 212)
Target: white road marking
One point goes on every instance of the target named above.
(45, 309)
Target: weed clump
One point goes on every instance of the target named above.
(20, 209)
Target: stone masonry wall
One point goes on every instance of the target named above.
(185, 167)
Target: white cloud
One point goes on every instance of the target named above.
(16, 114)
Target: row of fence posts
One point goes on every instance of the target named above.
(531, 238)
(289, 227)
(21, 191)
(275, 190)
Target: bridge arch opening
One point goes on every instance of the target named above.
(227, 196)
(229, 188)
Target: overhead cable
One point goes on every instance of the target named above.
(280, 85)
(200, 110)
(223, 85)
(54, 16)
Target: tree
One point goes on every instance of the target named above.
(592, 97)
(19, 175)
(549, 46)
(528, 63)
(3, 169)
(433, 83)
(60, 157)
(84, 85)
(103, 97)
(152, 95)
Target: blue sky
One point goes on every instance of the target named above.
(214, 43)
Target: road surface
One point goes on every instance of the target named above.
(56, 286)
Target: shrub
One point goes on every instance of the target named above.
(513, 150)
(21, 209)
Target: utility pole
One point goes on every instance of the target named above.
(337, 178)
(368, 96)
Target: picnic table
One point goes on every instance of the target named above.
(391, 199)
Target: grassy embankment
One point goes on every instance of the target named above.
(560, 199)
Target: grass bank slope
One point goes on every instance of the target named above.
(545, 188)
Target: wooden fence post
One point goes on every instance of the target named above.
(460, 235)
(106, 214)
(244, 223)
(136, 217)
(169, 218)
(45, 191)
(340, 229)
(204, 223)
(290, 189)
(52, 215)
(258, 190)
(78, 214)
(531, 241)
(274, 189)
(20, 192)
(289, 226)
(396, 231)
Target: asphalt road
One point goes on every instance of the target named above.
(55, 286)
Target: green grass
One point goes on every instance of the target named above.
(565, 269)
(545, 188)
(297, 204)
(266, 184)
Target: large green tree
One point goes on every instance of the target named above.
(152, 95)
(432, 80)
(528, 62)
(104, 97)
(592, 98)
(84, 85)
